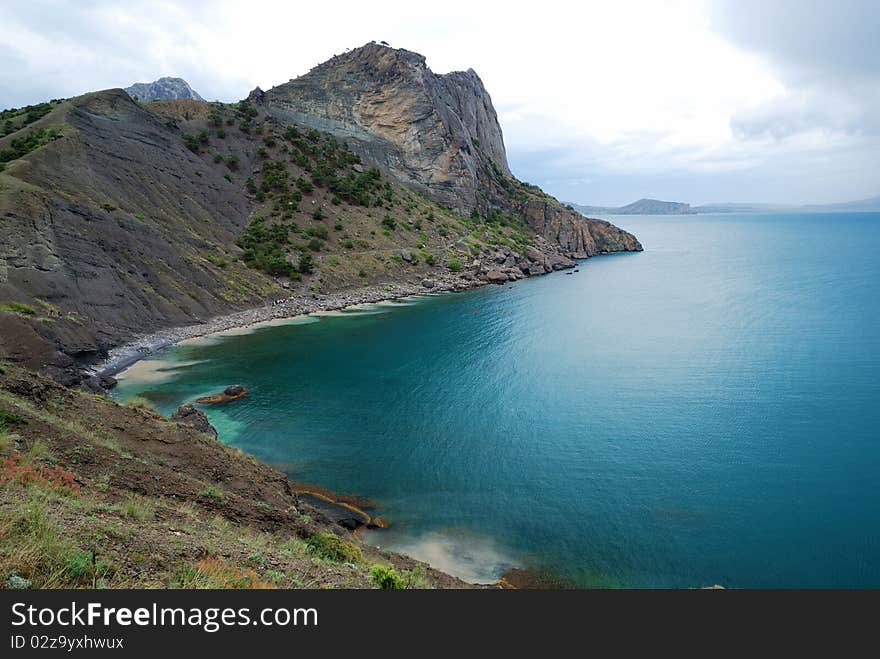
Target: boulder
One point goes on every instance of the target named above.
(428, 283)
(190, 416)
(534, 255)
(406, 255)
(496, 276)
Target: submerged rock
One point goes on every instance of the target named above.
(231, 393)
(190, 416)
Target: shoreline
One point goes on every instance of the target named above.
(127, 354)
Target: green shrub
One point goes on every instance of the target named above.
(333, 548)
(318, 213)
(389, 223)
(454, 265)
(386, 578)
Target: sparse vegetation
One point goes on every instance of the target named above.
(18, 307)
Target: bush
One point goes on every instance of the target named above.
(454, 265)
(318, 214)
(319, 231)
(316, 244)
(306, 263)
(333, 548)
(389, 223)
(386, 578)
(21, 146)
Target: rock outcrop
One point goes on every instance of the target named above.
(191, 416)
(436, 132)
(163, 89)
(579, 238)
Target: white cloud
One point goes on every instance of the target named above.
(645, 90)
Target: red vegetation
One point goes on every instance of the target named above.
(14, 470)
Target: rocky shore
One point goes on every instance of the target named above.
(493, 268)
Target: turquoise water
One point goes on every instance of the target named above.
(705, 412)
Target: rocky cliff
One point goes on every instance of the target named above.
(436, 132)
(163, 89)
(439, 133)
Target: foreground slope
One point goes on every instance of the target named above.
(94, 494)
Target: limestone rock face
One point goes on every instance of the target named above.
(437, 132)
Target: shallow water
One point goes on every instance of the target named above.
(705, 412)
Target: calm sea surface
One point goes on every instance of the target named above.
(705, 412)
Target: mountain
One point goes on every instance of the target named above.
(163, 89)
(439, 133)
(640, 207)
(118, 218)
(656, 207)
(871, 205)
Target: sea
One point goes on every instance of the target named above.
(704, 412)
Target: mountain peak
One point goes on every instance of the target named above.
(439, 133)
(163, 89)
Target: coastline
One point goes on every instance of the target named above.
(127, 354)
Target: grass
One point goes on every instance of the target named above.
(215, 573)
(18, 307)
(141, 403)
(137, 510)
(33, 547)
(8, 418)
(212, 492)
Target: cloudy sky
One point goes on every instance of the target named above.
(600, 102)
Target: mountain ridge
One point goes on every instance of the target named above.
(656, 207)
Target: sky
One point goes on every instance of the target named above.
(601, 103)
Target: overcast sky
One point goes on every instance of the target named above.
(600, 102)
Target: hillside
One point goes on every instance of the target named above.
(120, 218)
(640, 207)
